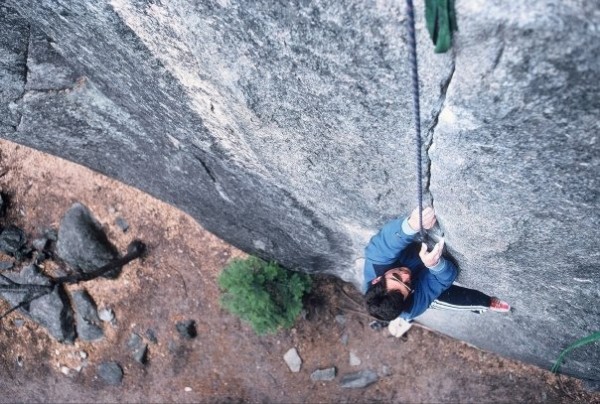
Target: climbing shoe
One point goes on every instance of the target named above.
(499, 306)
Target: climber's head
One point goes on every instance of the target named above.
(387, 294)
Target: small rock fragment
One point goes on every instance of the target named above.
(12, 241)
(344, 339)
(82, 242)
(106, 315)
(385, 371)
(187, 389)
(324, 374)
(354, 360)
(141, 355)
(18, 322)
(83, 354)
(151, 335)
(292, 359)
(139, 349)
(359, 380)
(122, 224)
(187, 329)
(110, 372)
(134, 341)
(65, 370)
(86, 316)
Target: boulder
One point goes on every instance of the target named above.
(82, 242)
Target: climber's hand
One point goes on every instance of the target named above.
(429, 219)
(431, 259)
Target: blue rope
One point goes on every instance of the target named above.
(412, 57)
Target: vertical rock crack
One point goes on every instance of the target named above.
(437, 110)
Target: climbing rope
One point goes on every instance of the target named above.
(412, 57)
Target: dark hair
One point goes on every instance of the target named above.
(383, 304)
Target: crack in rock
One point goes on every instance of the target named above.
(431, 130)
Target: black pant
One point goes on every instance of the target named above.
(460, 298)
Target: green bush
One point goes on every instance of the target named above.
(262, 293)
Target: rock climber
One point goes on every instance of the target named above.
(402, 278)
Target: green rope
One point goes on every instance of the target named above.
(583, 341)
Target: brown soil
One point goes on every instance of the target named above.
(227, 361)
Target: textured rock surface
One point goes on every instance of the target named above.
(86, 316)
(359, 380)
(286, 129)
(323, 374)
(110, 372)
(293, 360)
(52, 311)
(82, 242)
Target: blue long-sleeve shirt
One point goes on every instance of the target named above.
(394, 247)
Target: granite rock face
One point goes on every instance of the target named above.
(286, 129)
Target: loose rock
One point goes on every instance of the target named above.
(354, 360)
(187, 329)
(344, 339)
(293, 360)
(52, 311)
(359, 380)
(323, 374)
(12, 241)
(110, 372)
(82, 243)
(385, 371)
(122, 224)
(139, 349)
(106, 315)
(86, 316)
(151, 335)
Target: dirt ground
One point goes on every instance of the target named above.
(227, 361)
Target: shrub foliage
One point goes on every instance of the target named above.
(262, 293)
